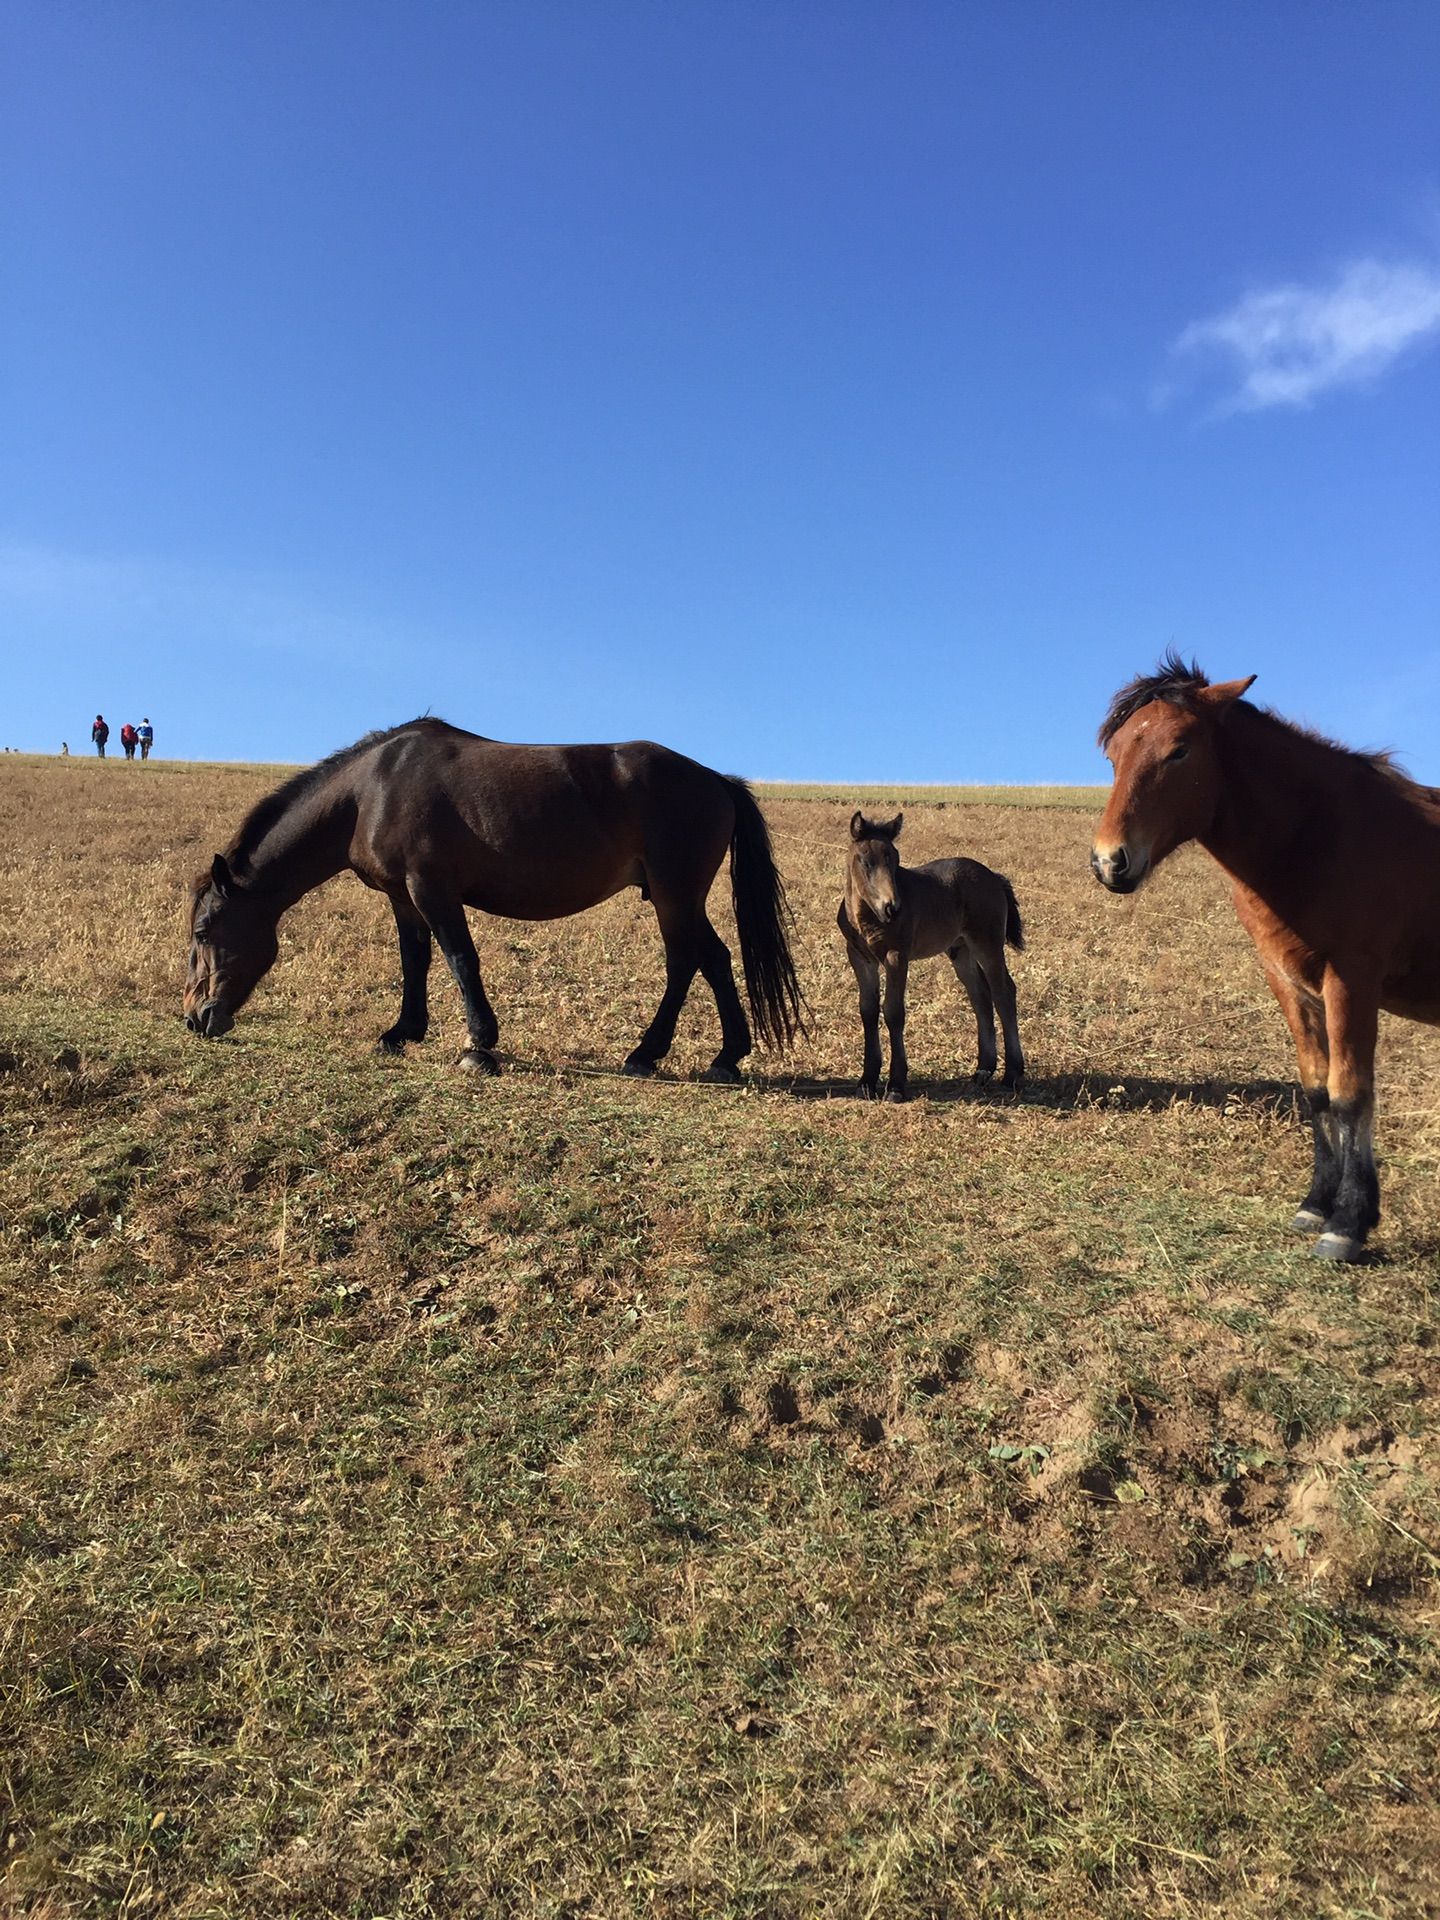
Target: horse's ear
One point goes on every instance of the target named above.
(1228, 691)
(857, 825)
(892, 827)
(221, 877)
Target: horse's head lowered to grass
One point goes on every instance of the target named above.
(1161, 738)
(233, 945)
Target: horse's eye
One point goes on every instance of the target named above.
(1176, 753)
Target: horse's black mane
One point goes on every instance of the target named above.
(1181, 684)
(1172, 681)
(267, 812)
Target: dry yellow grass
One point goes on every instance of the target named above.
(565, 1495)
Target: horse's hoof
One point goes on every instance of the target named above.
(867, 1092)
(721, 1074)
(1010, 1082)
(984, 1075)
(1307, 1220)
(1338, 1247)
(897, 1097)
(388, 1046)
(639, 1066)
(475, 1061)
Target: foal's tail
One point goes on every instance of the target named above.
(1014, 925)
(762, 918)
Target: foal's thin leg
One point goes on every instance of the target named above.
(1351, 1019)
(1002, 986)
(867, 978)
(682, 957)
(896, 972)
(1305, 1017)
(735, 1037)
(446, 917)
(415, 949)
(977, 989)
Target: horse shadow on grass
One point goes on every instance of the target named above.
(1097, 1090)
(1082, 1092)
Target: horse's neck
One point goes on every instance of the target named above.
(306, 846)
(1276, 782)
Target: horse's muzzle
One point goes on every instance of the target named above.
(890, 912)
(210, 1021)
(1115, 870)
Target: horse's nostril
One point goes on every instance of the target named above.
(192, 1023)
(1119, 861)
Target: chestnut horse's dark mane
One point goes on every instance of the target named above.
(1171, 681)
(1180, 685)
(267, 812)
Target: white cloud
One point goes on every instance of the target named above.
(1286, 345)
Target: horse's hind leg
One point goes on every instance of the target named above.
(735, 1037)
(682, 957)
(997, 975)
(977, 989)
(445, 916)
(415, 951)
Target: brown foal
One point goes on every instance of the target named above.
(892, 915)
(1335, 859)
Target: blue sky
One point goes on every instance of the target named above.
(828, 391)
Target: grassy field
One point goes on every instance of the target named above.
(570, 1496)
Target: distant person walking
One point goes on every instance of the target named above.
(100, 733)
(147, 738)
(64, 749)
(129, 740)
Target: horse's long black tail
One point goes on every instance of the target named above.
(762, 918)
(1014, 925)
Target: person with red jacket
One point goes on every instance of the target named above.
(100, 733)
(129, 740)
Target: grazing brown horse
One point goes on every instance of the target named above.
(892, 915)
(439, 819)
(1335, 857)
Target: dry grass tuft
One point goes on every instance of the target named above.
(573, 1497)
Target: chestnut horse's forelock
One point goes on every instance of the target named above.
(1173, 681)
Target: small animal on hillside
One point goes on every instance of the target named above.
(1335, 859)
(440, 820)
(892, 915)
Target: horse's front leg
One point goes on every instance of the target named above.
(1352, 1015)
(867, 978)
(415, 954)
(897, 968)
(1305, 1016)
(445, 916)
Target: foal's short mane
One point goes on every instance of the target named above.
(1181, 685)
(267, 812)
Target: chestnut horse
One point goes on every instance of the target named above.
(1335, 859)
(439, 819)
(892, 915)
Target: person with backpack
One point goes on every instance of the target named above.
(100, 733)
(147, 738)
(128, 740)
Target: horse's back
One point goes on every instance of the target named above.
(955, 899)
(533, 831)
